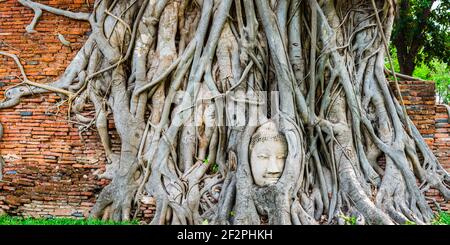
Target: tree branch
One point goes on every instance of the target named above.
(39, 85)
(38, 7)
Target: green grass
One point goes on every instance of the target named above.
(9, 220)
(442, 218)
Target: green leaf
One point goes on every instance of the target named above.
(443, 218)
(408, 222)
(205, 222)
(215, 168)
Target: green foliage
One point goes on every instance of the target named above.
(437, 45)
(393, 52)
(410, 223)
(9, 220)
(348, 220)
(206, 161)
(422, 27)
(442, 218)
(215, 168)
(437, 71)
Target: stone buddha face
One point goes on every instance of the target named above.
(268, 151)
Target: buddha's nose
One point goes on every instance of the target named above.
(273, 168)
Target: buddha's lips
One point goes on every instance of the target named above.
(273, 179)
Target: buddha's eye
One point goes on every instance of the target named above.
(281, 157)
(263, 156)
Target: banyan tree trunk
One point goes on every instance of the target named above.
(188, 82)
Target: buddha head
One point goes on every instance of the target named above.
(268, 151)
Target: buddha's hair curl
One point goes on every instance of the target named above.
(267, 132)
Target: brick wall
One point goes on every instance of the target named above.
(441, 144)
(432, 122)
(49, 163)
(441, 147)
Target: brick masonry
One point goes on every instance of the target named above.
(432, 121)
(50, 163)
